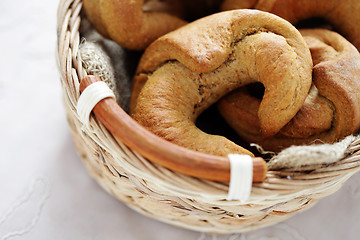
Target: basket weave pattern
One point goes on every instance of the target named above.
(175, 198)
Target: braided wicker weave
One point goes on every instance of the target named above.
(185, 201)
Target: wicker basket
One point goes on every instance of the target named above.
(175, 198)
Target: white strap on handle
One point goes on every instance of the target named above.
(93, 94)
(241, 175)
(241, 165)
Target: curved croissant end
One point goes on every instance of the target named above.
(126, 22)
(94, 16)
(343, 16)
(331, 110)
(210, 57)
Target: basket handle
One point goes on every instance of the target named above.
(160, 151)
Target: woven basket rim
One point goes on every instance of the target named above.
(312, 181)
(78, 72)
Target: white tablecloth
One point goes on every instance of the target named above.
(46, 193)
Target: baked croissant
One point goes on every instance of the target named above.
(342, 15)
(134, 24)
(184, 72)
(331, 110)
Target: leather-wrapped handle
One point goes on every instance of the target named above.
(160, 151)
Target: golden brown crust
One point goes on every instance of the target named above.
(314, 117)
(343, 15)
(126, 22)
(171, 7)
(93, 14)
(327, 116)
(184, 72)
(236, 4)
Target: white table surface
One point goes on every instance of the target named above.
(45, 191)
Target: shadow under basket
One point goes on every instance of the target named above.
(196, 203)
